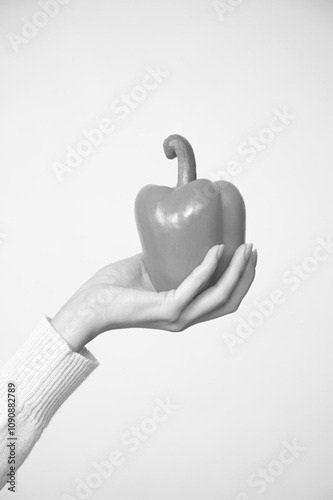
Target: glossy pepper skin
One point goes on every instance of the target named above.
(177, 226)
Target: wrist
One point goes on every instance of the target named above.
(71, 325)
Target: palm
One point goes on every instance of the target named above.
(127, 273)
(120, 293)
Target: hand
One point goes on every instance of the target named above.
(121, 295)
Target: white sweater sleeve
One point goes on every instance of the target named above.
(45, 372)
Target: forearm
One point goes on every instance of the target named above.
(45, 371)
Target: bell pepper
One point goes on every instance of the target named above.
(178, 225)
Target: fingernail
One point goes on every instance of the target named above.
(248, 250)
(220, 250)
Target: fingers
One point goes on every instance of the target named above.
(238, 294)
(219, 294)
(189, 288)
(243, 285)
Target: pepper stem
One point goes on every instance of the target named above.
(176, 145)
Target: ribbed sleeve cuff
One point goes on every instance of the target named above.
(46, 371)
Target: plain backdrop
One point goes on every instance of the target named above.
(224, 77)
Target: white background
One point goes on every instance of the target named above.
(225, 76)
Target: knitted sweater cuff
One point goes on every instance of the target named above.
(46, 371)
